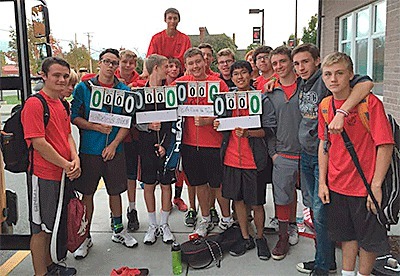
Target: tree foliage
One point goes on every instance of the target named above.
(252, 46)
(310, 33)
(78, 56)
(2, 59)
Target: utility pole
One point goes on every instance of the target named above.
(295, 26)
(90, 54)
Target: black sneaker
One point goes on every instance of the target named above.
(308, 267)
(241, 246)
(56, 269)
(190, 218)
(262, 249)
(133, 221)
(214, 216)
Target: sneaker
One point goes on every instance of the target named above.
(293, 234)
(223, 225)
(262, 249)
(308, 267)
(56, 269)
(190, 218)
(141, 185)
(151, 235)
(281, 248)
(241, 246)
(178, 202)
(165, 232)
(124, 238)
(203, 227)
(133, 221)
(214, 216)
(83, 249)
(272, 226)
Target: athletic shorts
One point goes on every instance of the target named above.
(244, 184)
(202, 165)
(43, 198)
(349, 220)
(285, 175)
(152, 170)
(131, 150)
(93, 168)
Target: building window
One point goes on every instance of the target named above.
(362, 36)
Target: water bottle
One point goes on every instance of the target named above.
(176, 258)
(300, 219)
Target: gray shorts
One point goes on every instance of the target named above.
(285, 175)
(43, 198)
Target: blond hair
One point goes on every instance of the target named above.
(338, 57)
(73, 78)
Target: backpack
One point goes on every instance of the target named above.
(78, 223)
(14, 147)
(388, 214)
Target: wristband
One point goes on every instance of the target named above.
(344, 112)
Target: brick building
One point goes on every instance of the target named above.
(369, 31)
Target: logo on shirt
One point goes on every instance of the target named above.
(309, 104)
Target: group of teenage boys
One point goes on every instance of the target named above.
(230, 165)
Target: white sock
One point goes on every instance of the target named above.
(132, 206)
(348, 273)
(359, 274)
(164, 217)
(152, 218)
(226, 219)
(207, 218)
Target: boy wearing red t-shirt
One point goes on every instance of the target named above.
(244, 156)
(169, 42)
(350, 208)
(54, 152)
(200, 149)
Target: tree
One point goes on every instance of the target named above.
(290, 41)
(34, 56)
(252, 46)
(78, 56)
(310, 33)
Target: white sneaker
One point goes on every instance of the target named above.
(165, 231)
(293, 234)
(124, 238)
(272, 226)
(151, 234)
(83, 249)
(223, 225)
(203, 227)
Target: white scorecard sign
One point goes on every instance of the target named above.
(167, 115)
(110, 119)
(196, 110)
(242, 122)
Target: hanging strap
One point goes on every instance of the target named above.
(350, 147)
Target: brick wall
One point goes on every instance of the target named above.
(333, 9)
(391, 94)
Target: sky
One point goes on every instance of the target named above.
(131, 24)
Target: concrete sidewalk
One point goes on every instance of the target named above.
(106, 255)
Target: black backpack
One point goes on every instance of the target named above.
(13, 145)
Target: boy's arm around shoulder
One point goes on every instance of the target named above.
(362, 87)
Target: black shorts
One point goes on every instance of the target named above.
(43, 198)
(202, 165)
(131, 150)
(93, 168)
(244, 184)
(152, 170)
(349, 220)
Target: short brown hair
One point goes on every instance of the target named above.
(128, 54)
(307, 47)
(206, 45)
(154, 60)
(261, 50)
(191, 52)
(281, 50)
(172, 10)
(337, 57)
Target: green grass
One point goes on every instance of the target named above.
(11, 99)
